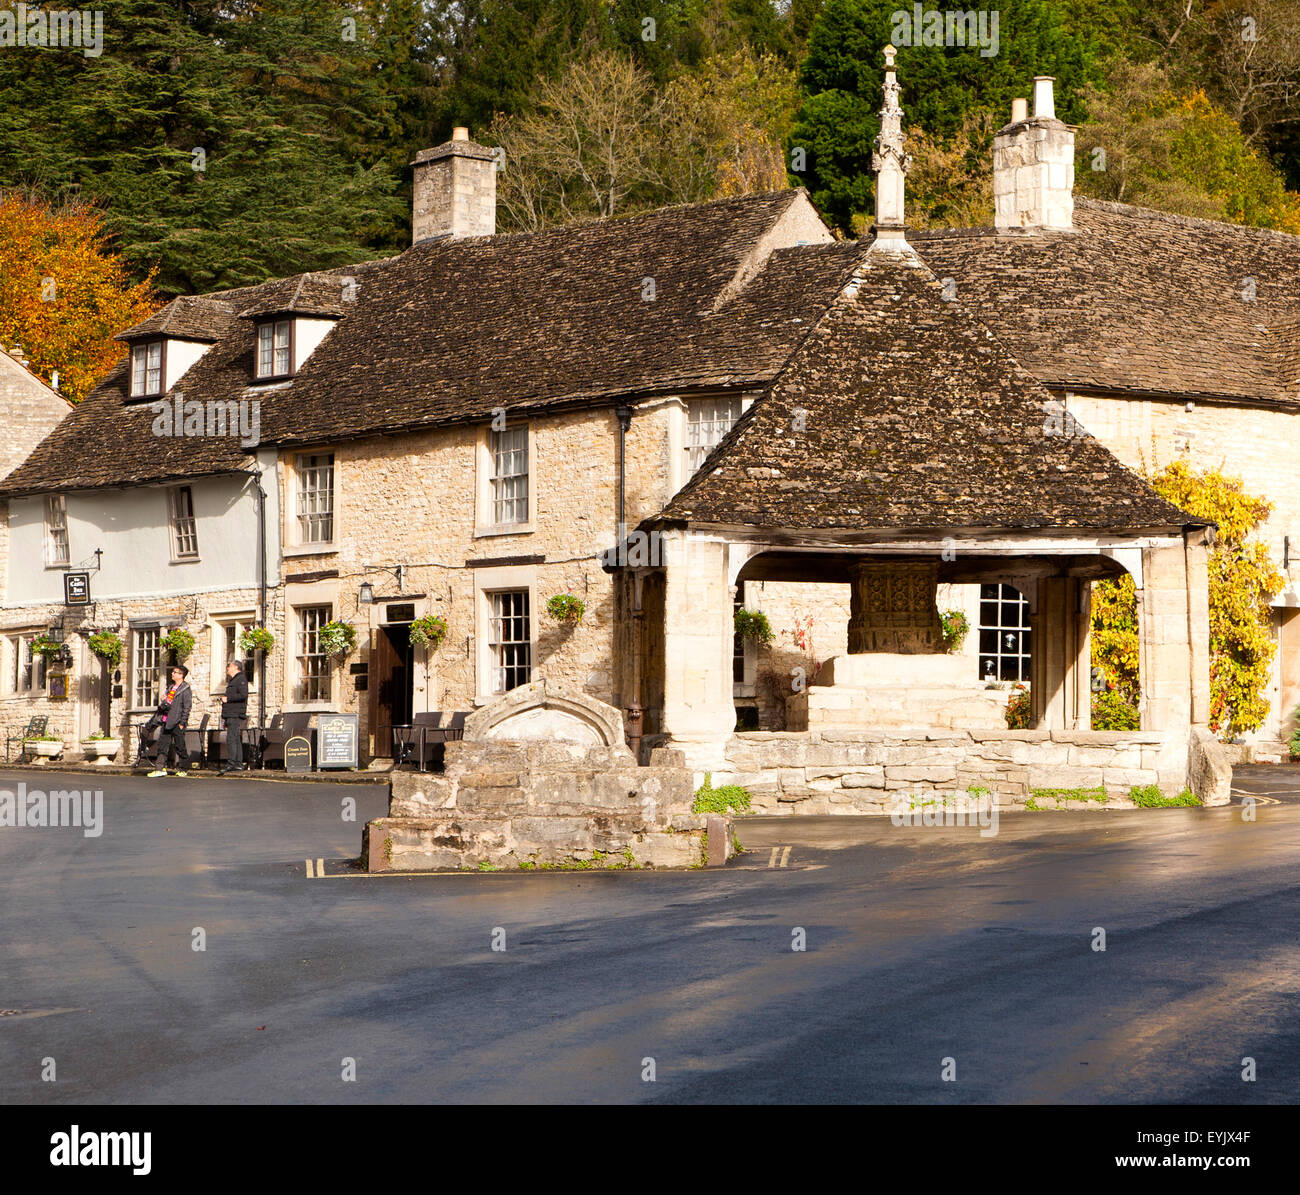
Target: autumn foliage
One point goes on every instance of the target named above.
(1242, 578)
(63, 292)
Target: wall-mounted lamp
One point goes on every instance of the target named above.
(367, 593)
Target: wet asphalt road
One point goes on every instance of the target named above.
(922, 944)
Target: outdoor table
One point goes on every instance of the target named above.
(252, 740)
(405, 739)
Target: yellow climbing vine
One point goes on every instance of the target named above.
(1243, 578)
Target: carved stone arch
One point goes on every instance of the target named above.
(544, 711)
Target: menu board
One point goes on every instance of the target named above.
(336, 741)
(297, 754)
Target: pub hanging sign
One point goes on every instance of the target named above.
(76, 589)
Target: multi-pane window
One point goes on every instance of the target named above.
(510, 640)
(185, 534)
(273, 341)
(510, 475)
(146, 369)
(228, 645)
(707, 421)
(737, 639)
(146, 673)
(56, 529)
(313, 663)
(315, 498)
(27, 669)
(1004, 633)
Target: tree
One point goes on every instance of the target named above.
(950, 184)
(1176, 153)
(602, 140)
(942, 84)
(585, 149)
(63, 292)
(724, 125)
(1242, 579)
(224, 143)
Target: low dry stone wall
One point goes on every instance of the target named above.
(864, 771)
(537, 804)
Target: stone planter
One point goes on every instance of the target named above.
(101, 751)
(44, 750)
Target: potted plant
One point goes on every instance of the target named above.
(1018, 708)
(107, 646)
(179, 642)
(428, 632)
(45, 746)
(564, 607)
(338, 638)
(100, 747)
(256, 639)
(956, 626)
(753, 624)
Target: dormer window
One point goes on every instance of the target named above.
(275, 349)
(147, 369)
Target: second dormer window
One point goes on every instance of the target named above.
(146, 369)
(274, 341)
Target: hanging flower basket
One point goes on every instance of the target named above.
(179, 642)
(338, 638)
(44, 645)
(956, 626)
(107, 645)
(753, 624)
(256, 639)
(564, 607)
(428, 632)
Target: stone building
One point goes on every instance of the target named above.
(847, 436)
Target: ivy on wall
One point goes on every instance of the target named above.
(1242, 579)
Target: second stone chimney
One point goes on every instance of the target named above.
(455, 192)
(1033, 166)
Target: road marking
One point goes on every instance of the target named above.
(784, 857)
(1257, 798)
(318, 871)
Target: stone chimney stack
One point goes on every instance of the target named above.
(455, 191)
(891, 162)
(1033, 166)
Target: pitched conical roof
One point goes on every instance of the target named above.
(899, 411)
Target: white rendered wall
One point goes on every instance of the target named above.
(131, 526)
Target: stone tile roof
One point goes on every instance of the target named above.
(320, 294)
(914, 418)
(190, 317)
(1138, 301)
(452, 329)
(456, 328)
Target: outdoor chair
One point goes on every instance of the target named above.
(437, 728)
(34, 729)
(284, 727)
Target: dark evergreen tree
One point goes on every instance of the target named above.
(842, 74)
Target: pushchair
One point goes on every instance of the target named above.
(146, 734)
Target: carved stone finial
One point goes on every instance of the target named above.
(890, 159)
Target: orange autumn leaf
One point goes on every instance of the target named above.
(64, 293)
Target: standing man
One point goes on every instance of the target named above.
(178, 701)
(234, 711)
